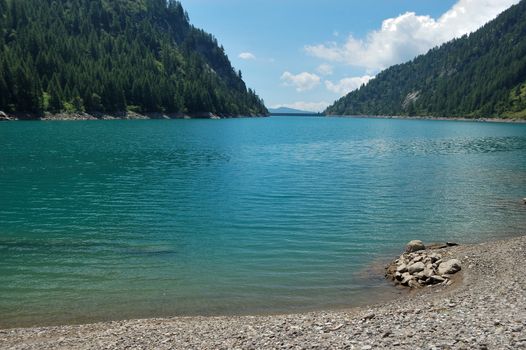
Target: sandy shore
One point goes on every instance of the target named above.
(485, 308)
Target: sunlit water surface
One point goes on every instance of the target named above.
(120, 219)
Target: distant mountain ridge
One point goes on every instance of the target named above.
(288, 110)
(114, 55)
(478, 75)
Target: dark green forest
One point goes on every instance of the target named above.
(478, 75)
(112, 56)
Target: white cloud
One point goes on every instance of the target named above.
(346, 85)
(408, 35)
(306, 106)
(302, 82)
(247, 56)
(325, 69)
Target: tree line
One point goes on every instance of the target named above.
(113, 56)
(478, 75)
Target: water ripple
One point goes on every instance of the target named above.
(236, 216)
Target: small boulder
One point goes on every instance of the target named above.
(4, 116)
(398, 276)
(449, 267)
(406, 277)
(422, 279)
(434, 257)
(427, 272)
(417, 259)
(416, 267)
(437, 279)
(413, 284)
(401, 268)
(414, 246)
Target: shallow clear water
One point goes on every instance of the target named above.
(118, 219)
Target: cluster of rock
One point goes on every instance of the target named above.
(4, 116)
(418, 267)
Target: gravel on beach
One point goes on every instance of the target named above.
(484, 308)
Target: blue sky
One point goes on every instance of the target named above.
(307, 53)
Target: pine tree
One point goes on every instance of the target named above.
(55, 95)
(78, 104)
(95, 103)
(28, 97)
(4, 94)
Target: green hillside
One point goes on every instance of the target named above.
(111, 56)
(479, 75)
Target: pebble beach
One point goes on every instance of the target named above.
(483, 308)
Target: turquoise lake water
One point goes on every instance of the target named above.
(118, 219)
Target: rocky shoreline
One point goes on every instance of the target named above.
(118, 116)
(461, 119)
(207, 115)
(484, 307)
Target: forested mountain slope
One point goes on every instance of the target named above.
(114, 55)
(479, 75)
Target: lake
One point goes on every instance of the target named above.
(105, 220)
